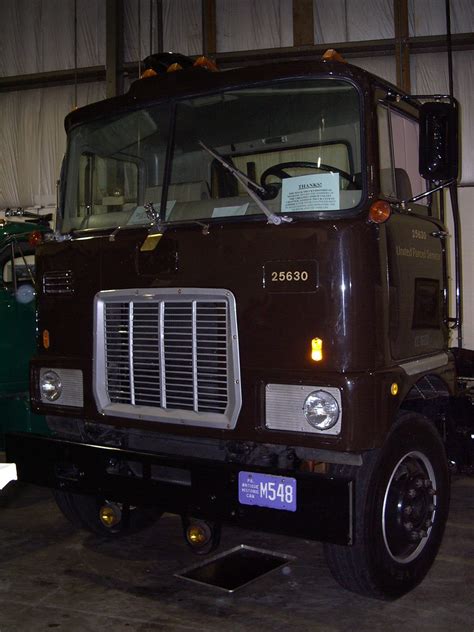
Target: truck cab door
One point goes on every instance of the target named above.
(17, 316)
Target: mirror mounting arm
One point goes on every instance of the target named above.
(442, 185)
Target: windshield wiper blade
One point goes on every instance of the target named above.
(245, 181)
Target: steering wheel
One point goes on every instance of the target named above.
(278, 170)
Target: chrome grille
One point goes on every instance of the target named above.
(58, 282)
(172, 353)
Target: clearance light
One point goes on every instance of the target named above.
(149, 72)
(332, 55)
(35, 238)
(205, 62)
(316, 349)
(174, 67)
(162, 63)
(394, 389)
(45, 339)
(379, 212)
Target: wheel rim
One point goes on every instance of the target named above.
(409, 507)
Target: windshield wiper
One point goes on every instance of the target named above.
(247, 184)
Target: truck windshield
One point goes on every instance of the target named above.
(298, 140)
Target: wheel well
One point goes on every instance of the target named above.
(429, 396)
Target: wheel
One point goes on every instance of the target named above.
(83, 512)
(278, 170)
(402, 503)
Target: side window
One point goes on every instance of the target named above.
(387, 182)
(17, 267)
(405, 135)
(398, 155)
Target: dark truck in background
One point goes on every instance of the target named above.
(244, 316)
(18, 243)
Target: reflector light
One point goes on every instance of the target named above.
(45, 339)
(379, 212)
(35, 238)
(316, 349)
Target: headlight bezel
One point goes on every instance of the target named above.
(284, 408)
(72, 391)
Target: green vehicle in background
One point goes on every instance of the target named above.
(18, 241)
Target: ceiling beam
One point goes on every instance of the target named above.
(303, 22)
(427, 44)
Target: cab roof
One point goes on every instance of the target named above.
(196, 81)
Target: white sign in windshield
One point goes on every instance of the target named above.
(230, 211)
(316, 192)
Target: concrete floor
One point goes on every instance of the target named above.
(53, 577)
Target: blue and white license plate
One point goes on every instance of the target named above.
(266, 490)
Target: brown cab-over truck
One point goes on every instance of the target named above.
(243, 317)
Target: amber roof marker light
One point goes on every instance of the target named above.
(163, 63)
(332, 55)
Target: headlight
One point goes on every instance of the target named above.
(321, 410)
(51, 386)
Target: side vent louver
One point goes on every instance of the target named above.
(58, 282)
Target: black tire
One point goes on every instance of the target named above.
(402, 504)
(82, 511)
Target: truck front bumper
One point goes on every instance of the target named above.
(208, 489)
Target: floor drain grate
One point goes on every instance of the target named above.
(235, 568)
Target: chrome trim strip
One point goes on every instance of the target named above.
(424, 364)
(161, 354)
(194, 356)
(130, 353)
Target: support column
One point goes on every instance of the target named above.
(159, 27)
(303, 23)
(209, 37)
(402, 50)
(114, 47)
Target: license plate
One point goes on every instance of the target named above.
(266, 490)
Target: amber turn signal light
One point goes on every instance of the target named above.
(316, 349)
(379, 212)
